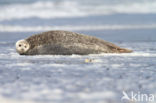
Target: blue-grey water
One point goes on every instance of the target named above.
(70, 79)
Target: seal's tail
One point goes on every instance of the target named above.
(123, 50)
(116, 49)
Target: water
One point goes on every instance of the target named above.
(54, 79)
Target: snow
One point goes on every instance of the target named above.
(33, 79)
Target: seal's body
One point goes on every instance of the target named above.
(65, 43)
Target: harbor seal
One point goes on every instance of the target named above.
(65, 43)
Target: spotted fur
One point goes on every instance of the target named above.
(67, 43)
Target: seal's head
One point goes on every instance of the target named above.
(22, 46)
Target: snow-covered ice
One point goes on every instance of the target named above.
(67, 79)
(74, 79)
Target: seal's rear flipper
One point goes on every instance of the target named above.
(122, 50)
(117, 49)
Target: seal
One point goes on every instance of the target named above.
(65, 43)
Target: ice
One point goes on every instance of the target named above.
(94, 78)
(19, 28)
(77, 8)
(61, 78)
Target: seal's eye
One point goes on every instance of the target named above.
(25, 46)
(19, 45)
